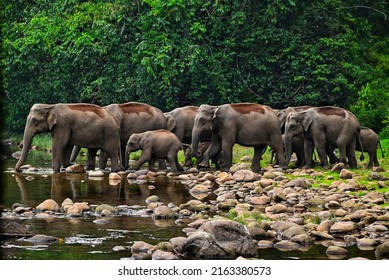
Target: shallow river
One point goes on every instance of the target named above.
(82, 238)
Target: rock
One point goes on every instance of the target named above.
(48, 205)
(199, 189)
(265, 244)
(261, 200)
(162, 255)
(258, 233)
(382, 251)
(302, 239)
(96, 173)
(342, 227)
(338, 167)
(75, 168)
(298, 183)
(140, 247)
(279, 194)
(219, 239)
(374, 197)
(336, 250)
(114, 176)
(316, 202)
(265, 182)
(240, 166)
(82, 205)
(244, 176)
(293, 231)
(322, 235)
(377, 176)
(163, 212)
(281, 226)
(368, 242)
(99, 209)
(285, 245)
(42, 239)
(66, 204)
(152, 198)
(345, 174)
(13, 228)
(74, 211)
(280, 208)
(325, 226)
(106, 213)
(358, 215)
(177, 243)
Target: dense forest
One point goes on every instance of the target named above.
(171, 53)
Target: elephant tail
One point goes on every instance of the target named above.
(362, 157)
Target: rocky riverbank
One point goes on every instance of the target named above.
(287, 210)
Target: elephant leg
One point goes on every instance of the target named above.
(212, 150)
(151, 164)
(227, 155)
(256, 162)
(124, 163)
(66, 155)
(144, 157)
(308, 153)
(58, 152)
(350, 153)
(75, 152)
(91, 161)
(103, 159)
(321, 148)
(171, 159)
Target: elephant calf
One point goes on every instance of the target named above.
(157, 144)
(370, 142)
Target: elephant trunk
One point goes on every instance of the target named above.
(195, 141)
(288, 148)
(27, 140)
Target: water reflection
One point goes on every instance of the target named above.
(96, 190)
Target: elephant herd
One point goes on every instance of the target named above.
(205, 132)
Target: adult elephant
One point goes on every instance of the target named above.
(323, 127)
(180, 121)
(247, 124)
(134, 117)
(86, 125)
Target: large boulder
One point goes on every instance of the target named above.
(219, 239)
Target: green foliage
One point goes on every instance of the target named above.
(171, 53)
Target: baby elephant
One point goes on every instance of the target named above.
(157, 144)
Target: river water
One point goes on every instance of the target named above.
(82, 238)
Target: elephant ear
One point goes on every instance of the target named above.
(306, 121)
(170, 122)
(143, 140)
(51, 116)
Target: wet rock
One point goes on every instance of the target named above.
(382, 251)
(293, 231)
(132, 176)
(99, 209)
(199, 189)
(367, 242)
(119, 248)
(43, 216)
(74, 211)
(48, 205)
(177, 243)
(342, 227)
(265, 244)
(322, 235)
(152, 199)
(106, 213)
(302, 239)
(96, 173)
(13, 228)
(140, 247)
(219, 239)
(75, 168)
(100, 221)
(258, 233)
(163, 212)
(66, 204)
(285, 245)
(42, 239)
(114, 176)
(325, 226)
(336, 250)
(162, 255)
(82, 205)
(345, 174)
